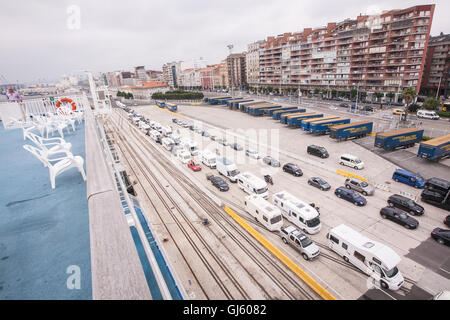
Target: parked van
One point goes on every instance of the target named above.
(373, 258)
(183, 155)
(426, 114)
(351, 161)
(317, 151)
(298, 212)
(227, 169)
(190, 145)
(155, 134)
(209, 159)
(264, 212)
(168, 143)
(252, 184)
(412, 179)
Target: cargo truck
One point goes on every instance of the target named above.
(280, 108)
(261, 104)
(435, 149)
(351, 130)
(297, 120)
(223, 100)
(160, 103)
(306, 123)
(284, 119)
(215, 100)
(403, 138)
(171, 107)
(323, 127)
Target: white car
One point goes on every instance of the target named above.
(252, 154)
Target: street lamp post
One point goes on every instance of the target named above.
(439, 88)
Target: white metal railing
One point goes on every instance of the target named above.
(13, 114)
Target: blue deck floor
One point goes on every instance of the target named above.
(42, 231)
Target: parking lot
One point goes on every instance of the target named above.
(270, 137)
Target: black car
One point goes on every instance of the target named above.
(406, 204)
(175, 120)
(344, 105)
(292, 169)
(447, 221)
(398, 216)
(236, 147)
(219, 183)
(319, 183)
(205, 134)
(317, 151)
(441, 235)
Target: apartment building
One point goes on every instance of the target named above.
(190, 79)
(436, 74)
(140, 73)
(172, 73)
(252, 62)
(209, 77)
(372, 53)
(236, 70)
(223, 74)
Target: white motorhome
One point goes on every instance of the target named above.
(209, 159)
(155, 134)
(264, 212)
(373, 258)
(144, 126)
(298, 212)
(168, 143)
(183, 155)
(227, 169)
(190, 145)
(252, 184)
(136, 120)
(166, 131)
(427, 114)
(176, 138)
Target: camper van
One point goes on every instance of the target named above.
(264, 212)
(252, 184)
(227, 169)
(426, 114)
(373, 258)
(168, 143)
(183, 155)
(209, 159)
(176, 138)
(166, 131)
(298, 212)
(155, 134)
(351, 161)
(190, 145)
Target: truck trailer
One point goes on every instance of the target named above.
(323, 127)
(276, 114)
(249, 109)
(307, 123)
(243, 106)
(351, 130)
(403, 138)
(234, 104)
(284, 118)
(296, 121)
(435, 149)
(260, 111)
(171, 107)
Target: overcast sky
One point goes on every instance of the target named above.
(44, 39)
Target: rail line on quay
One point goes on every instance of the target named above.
(213, 210)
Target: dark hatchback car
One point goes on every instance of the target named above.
(400, 217)
(405, 204)
(293, 169)
(317, 151)
(351, 196)
(319, 183)
(441, 235)
(219, 183)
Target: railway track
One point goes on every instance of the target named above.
(262, 258)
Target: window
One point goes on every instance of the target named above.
(359, 256)
(265, 218)
(376, 261)
(294, 214)
(344, 245)
(334, 239)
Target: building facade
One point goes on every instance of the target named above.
(436, 74)
(252, 62)
(145, 89)
(237, 77)
(382, 53)
(223, 74)
(172, 73)
(140, 73)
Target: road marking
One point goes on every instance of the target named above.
(321, 291)
(349, 175)
(444, 270)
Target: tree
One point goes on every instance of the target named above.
(353, 93)
(362, 96)
(409, 94)
(333, 93)
(432, 104)
(413, 108)
(316, 91)
(379, 95)
(391, 96)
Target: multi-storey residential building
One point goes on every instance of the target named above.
(209, 77)
(140, 73)
(154, 75)
(437, 66)
(190, 79)
(252, 62)
(113, 79)
(377, 53)
(172, 73)
(223, 74)
(236, 70)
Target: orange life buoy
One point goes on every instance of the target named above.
(58, 103)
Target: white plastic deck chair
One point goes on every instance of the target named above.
(50, 146)
(60, 164)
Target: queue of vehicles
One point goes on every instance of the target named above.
(306, 216)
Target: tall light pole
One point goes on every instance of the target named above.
(439, 88)
(230, 48)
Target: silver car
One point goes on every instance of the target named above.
(360, 186)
